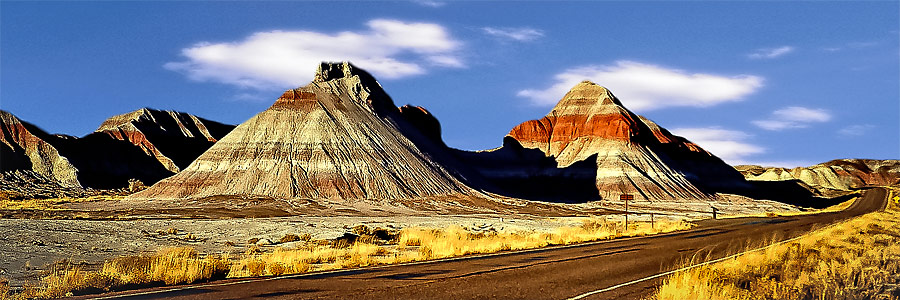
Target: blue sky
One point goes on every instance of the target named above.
(776, 83)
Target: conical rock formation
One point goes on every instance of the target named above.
(633, 155)
(339, 137)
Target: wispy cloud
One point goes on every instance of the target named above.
(729, 145)
(793, 117)
(523, 34)
(252, 97)
(430, 3)
(852, 46)
(644, 87)
(280, 59)
(856, 130)
(769, 53)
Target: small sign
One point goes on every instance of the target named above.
(626, 197)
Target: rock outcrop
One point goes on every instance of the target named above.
(145, 145)
(27, 184)
(24, 147)
(633, 155)
(173, 138)
(831, 177)
(339, 137)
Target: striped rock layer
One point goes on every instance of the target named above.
(174, 139)
(23, 147)
(839, 174)
(147, 145)
(339, 137)
(633, 154)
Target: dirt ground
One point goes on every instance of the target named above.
(31, 241)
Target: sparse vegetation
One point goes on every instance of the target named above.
(8, 203)
(364, 246)
(854, 259)
(167, 266)
(287, 238)
(837, 207)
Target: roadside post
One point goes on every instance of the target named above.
(714, 212)
(626, 197)
(652, 224)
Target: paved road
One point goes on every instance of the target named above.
(550, 273)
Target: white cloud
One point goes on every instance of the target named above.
(856, 130)
(793, 117)
(282, 59)
(781, 164)
(430, 3)
(252, 97)
(729, 145)
(768, 53)
(643, 87)
(523, 34)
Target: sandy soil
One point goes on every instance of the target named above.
(30, 242)
(29, 245)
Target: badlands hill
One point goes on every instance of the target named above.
(146, 145)
(589, 142)
(24, 147)
(340, 137)
(341, 141)
(173, 138)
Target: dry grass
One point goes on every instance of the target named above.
(417, 244)
(367, 247)
(837, 207)
(167, 266)
(855, 259)
(50, 203)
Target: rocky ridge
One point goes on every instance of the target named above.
(173, 138)
(831, 177)
(145, 145)
(24, 147)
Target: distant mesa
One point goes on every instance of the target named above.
(831, 178)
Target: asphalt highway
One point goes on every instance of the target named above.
(549, 273)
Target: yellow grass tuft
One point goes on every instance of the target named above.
(7, 203)
(855, 259)
(167, 266)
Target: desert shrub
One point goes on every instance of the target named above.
(287, 238)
